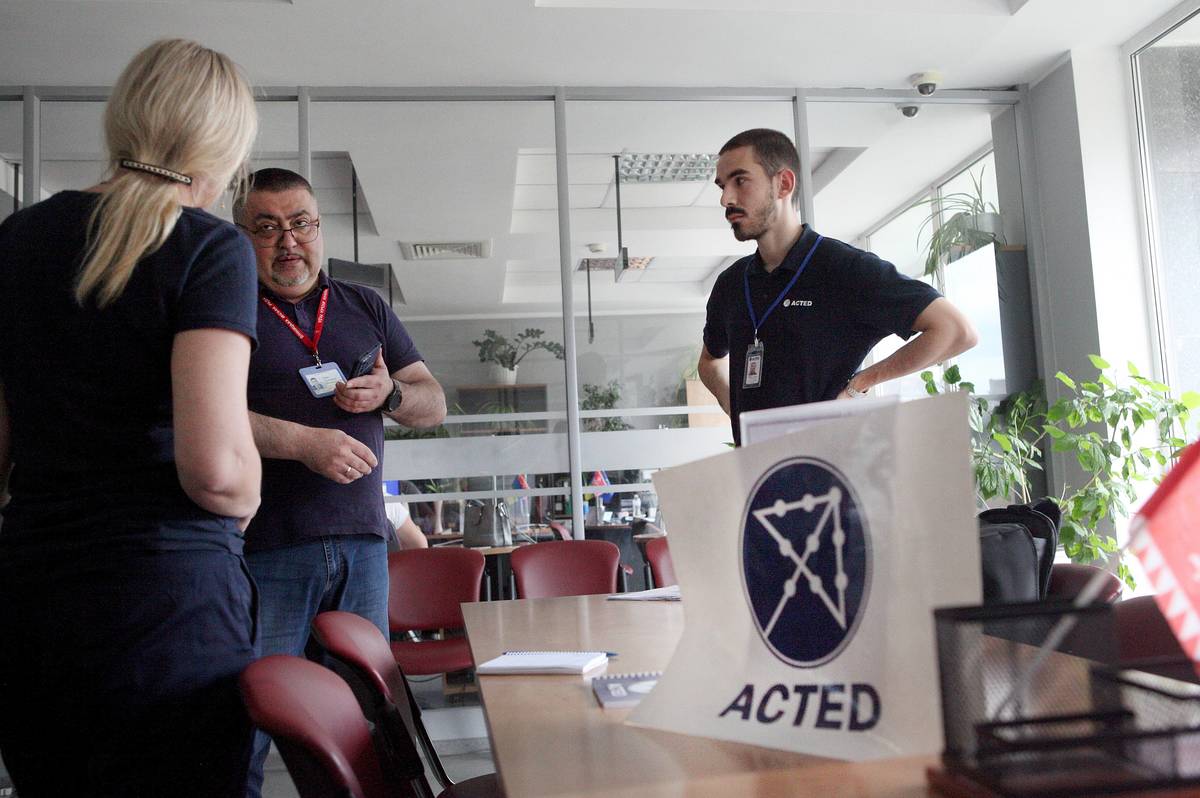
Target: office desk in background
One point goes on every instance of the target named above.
(550, 738)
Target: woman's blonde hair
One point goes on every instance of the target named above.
(177, 105)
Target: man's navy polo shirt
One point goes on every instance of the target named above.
(844, 303)
(298, 504)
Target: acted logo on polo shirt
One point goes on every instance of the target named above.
(806, 561)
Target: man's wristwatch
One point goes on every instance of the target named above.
(851, 391)
(394, 399)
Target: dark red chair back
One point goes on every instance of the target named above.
(426, 587)
(316, 724)
(1067, 580)
(661, 567)
(566, 568)
(1142, 631)
(360, 653)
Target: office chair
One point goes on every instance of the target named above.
(661, 568)
(361, 655)
(317, 725)
(566, 568)
(425, 588)
(1067, 579)
(1142, 631)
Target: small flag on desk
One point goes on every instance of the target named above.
(1166, 538)
(600, 480)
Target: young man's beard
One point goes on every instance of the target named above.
(755, 223)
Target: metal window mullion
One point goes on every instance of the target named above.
(808, 212)
(304, 143)
(32, 147)
(1160, 340)
(566, 273)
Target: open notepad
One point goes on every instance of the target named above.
(543, 662)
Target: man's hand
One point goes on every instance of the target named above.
(366, 393)
(335, 455)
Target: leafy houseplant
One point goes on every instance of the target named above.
(969, 222)
(1121, 431)
(602, 397)
(507, 355)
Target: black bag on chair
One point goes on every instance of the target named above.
(1008, 573)
(1008, 559)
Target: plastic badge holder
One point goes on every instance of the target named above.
(1083, 725)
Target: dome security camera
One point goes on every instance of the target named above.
(926, 83)
(909, 110)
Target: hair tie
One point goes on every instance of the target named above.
(160, 171)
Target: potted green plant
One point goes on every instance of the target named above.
(505, 355)
(602, 397)
(1120, 429)
(967, 222)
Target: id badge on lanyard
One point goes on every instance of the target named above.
(322, 378)
(755, 361)
(754, 365)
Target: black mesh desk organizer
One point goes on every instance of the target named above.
(1087, 724)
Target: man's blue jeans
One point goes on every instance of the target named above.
(296, 583)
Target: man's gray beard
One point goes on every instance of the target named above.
(291, 282)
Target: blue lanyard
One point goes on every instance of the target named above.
(757, 322)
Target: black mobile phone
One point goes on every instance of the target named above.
(365, 362)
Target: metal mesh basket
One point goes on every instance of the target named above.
(1067, 722)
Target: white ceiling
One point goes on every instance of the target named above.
(467, 171)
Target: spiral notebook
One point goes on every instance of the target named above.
(623, 689)
(543, 662)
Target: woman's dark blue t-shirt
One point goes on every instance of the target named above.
(89, 390)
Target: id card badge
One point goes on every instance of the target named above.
(323, 379)
(754, 366)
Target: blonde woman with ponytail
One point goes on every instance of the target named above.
(127, 316)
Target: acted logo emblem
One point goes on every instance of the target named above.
(806, 561)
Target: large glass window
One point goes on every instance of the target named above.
(1168, 79)
(916, 192)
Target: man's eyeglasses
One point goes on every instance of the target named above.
(269, 235)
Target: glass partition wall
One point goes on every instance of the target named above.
(643, 172)
(11, 120)
(459, 231)
(447, 202)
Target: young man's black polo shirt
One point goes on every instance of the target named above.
(844, 303)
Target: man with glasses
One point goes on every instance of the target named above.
(319, 540)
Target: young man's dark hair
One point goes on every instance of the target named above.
(272, 180)
(773, 150)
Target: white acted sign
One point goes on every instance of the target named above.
(810, 566)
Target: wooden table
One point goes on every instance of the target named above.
(550, 738)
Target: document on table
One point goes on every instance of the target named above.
(668, 593)
(543, 662)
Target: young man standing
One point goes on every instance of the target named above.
(793, 322)
(319, 541)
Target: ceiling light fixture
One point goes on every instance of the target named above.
(665, 167)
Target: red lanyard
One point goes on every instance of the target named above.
(309, 343)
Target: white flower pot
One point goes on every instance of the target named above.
(500, 375)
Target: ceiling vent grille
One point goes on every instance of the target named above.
(609, 264)
(446, 250)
